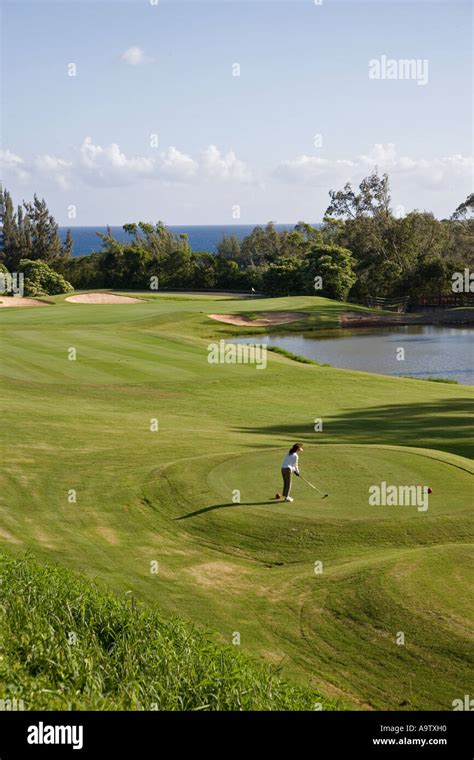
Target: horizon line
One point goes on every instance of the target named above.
(172, 224)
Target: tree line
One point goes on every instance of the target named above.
(361, 250)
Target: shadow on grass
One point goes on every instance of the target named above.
(224, 506)
(444, 425)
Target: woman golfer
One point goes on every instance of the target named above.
(288, 467)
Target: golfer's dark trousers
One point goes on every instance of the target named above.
(286, 474)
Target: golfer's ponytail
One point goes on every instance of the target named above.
(296, 447)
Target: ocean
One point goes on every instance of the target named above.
(201, 237)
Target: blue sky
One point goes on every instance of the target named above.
(232, 149)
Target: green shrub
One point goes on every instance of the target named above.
(41, 280)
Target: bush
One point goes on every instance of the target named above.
(82, 272)
(335, 266)
(40, 280)
(282, 279)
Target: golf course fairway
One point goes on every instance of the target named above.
(123, 447)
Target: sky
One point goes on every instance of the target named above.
(228, 112)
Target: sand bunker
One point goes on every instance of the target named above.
(8, 301)
(102, 298)
(267, 318)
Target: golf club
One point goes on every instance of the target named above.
(323, 495)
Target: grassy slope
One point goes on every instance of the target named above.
(248, 567)
(68, 644)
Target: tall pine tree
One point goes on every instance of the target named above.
(30, 233)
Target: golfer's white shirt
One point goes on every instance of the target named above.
(291, 461)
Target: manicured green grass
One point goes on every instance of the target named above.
(170, 496)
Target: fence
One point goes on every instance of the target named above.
(389, 304)
(422, 303)
(443, 302)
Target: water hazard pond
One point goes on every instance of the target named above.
(430, 350)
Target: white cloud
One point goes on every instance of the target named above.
(312, 170)
(135, 56)
(56, 169)
(225, 166)
(435, 183)
(12, 164)
(176, 166)
(430, 173)
(108, 166)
